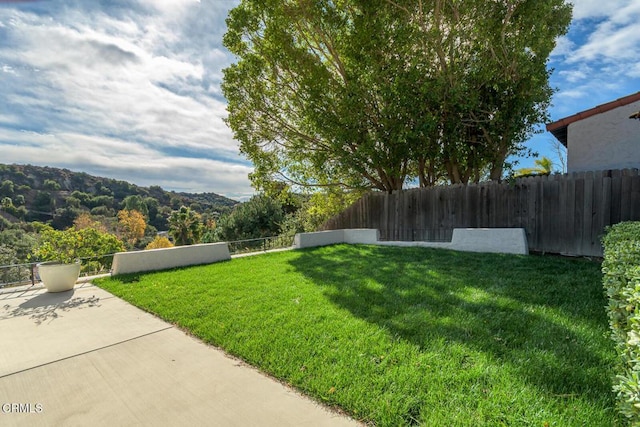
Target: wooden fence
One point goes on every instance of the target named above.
(564, 214)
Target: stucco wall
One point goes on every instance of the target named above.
(608, 140)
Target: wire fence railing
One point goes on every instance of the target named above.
(27, 273)
(262, 244)
(17, 274)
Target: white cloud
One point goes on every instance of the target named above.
(634, 70)
(588, 9)
(127, 160)
(611, 42)
(564, 46)
(598, 60)
(7, 69)
(613, 33)
(572, 93)
(117, 90)
(575, 75)
(9, 119)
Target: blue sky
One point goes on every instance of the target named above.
(596, 62)
(131, 89)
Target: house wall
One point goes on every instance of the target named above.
(608, 140)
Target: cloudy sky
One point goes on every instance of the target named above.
(596, 62)
(130, 89)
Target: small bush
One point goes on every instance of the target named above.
(158, 243)
(621, 269)
(69, 245)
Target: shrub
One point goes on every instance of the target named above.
(132, 225)
(261, 216)
(103, 211)
(71, 244)
(621, 269)
(159, 242)
(6, 188)
(14, 274)
(22, 242)
(50, 184)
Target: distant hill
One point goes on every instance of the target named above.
(34, 193)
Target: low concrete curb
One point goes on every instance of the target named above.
(365, 236)
(492, 240)
(162, 259)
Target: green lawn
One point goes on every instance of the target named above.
(402, 336)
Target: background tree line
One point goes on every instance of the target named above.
(58, 196)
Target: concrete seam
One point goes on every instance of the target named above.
(85, 352)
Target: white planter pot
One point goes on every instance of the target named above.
(58, 277)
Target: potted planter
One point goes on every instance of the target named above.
(59, 268)
(58, 276)
(59, 252)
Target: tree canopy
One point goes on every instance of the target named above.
(185, 226)
(373, 93)
(543, 166)
(260, 216)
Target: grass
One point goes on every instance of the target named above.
(406, 336)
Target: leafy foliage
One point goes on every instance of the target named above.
(58, 196)
(370, 94)
(84, 220)
(132, 224)
(16, 273)
(621, 269)
(135, 203)
(6, 188)
(185, 226)
(71, 244)
(543, 166)
(159, 242)
(261, 216)
(20, 241)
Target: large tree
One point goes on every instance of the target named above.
(371, 93)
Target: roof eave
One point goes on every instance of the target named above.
(559, 128)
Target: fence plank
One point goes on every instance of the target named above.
(561, 214)
(578, 219)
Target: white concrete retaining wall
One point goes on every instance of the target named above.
(496, 240)
(499, 240)
(362, 236)
(332, 237)
(162, 259)
(440, 245)
(318, 238)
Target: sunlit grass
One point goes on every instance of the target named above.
(401, 336)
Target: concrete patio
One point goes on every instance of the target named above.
(85, 357)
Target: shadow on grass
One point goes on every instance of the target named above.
(542, 316)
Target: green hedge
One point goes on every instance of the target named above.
(621, 269)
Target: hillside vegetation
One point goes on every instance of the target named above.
(44, 207)
(58, 196)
